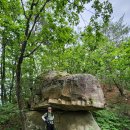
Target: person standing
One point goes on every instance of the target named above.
(48, 117)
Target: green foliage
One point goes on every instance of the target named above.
(9, 117)
(110, 120)
(53, 33)
(117, 31)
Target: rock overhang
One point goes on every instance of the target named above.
(70, 92)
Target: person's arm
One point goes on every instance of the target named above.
(53, 117)
(43, 117)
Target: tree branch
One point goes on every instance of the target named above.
(37, 2)
(36, 18)
(83, 19)
(84, 7)
(28, 20)
(23, 9)
(32, 51)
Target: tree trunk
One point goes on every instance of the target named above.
(28, 33)
(12, 85)
(3, 89)
(121, 90)
(20, 99)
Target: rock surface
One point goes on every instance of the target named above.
(67, 92)
(71, 96)
(63, 121)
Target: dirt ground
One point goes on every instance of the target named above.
(113, 98)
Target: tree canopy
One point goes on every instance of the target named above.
(39, 35)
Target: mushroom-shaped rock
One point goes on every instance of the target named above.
(70, 92)
(71, 95)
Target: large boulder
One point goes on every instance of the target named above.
(71, 96)
(67, 92)
(63, 120)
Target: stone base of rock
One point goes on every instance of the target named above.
(64, 120)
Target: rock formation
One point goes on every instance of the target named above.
(71, 96)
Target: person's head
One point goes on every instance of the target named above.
(49, 109)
